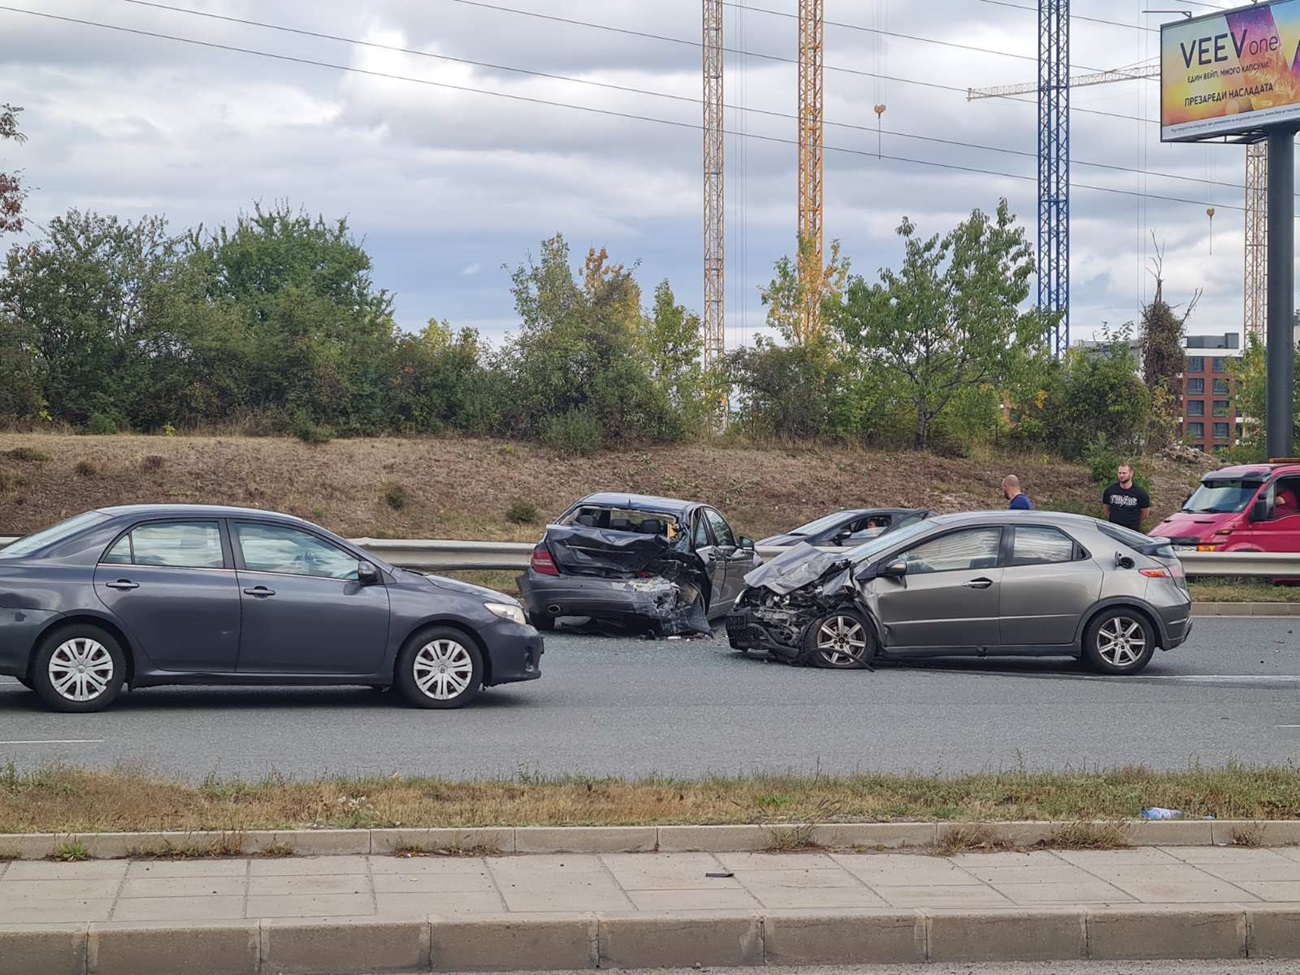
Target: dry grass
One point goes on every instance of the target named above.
(1089, 836)
(1241, 591)
(459, 488)
(69, 800)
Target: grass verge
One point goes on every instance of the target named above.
(1226, 590)
(72, 800)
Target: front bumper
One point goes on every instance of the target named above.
(514, 653)
(745, 631)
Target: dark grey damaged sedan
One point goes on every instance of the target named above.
(145, 595)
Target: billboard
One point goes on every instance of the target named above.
(1230, 72)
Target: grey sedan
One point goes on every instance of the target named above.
(185, 594)
(1018, 583)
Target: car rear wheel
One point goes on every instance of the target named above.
(1119, 641)
(841, 640)
(440, 668)
(79, 669)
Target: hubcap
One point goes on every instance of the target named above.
(841, 640)
(443, 669)
(1121, 641)
(81, 669)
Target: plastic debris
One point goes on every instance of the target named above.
(1155, 812)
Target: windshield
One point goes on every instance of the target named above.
(822, 524)
(56, 533)
(1221, 496)
(869, 550)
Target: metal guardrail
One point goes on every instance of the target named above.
(441, 555)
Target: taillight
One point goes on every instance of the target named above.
(542, 563)
(1157, 573)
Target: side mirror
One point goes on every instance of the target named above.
(367, 574)
(1122, 561)
(894, 570)
(746, 543)
(1261, 510)
(841, 536)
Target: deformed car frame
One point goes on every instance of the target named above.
(995, 583)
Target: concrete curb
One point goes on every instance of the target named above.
(507, 840)
(1245, 609)
(699, 938)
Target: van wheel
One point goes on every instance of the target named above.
(841, 640)
(78, 669)
(1119, 641)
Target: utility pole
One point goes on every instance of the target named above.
(1279, 394)
(715, 199)
(1255, 283)
(1054, 166)
(811, 164)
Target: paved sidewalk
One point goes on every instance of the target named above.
(394, 887)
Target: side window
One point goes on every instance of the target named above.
(973, 548)
(178, 544)
(721, 530)
(700, 531)
(1286, 497)
(1041, 546)
(278, 548)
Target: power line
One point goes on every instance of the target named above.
(1085, 17)
(567, 105)
(600, 84)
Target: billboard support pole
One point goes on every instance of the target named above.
(1279, 402)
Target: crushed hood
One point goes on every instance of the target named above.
(801, 566)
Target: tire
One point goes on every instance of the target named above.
(841, 640)
(1119, 641)
(439, 668)
(79, 669)
(542, 622)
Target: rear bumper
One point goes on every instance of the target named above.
(514, 652)
(615, 600)
(1175, 629)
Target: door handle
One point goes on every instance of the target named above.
(123, 585)
(980, 583)
(261, 592)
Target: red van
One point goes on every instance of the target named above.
(1251, 508)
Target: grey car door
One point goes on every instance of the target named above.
(736, 561)
(715, 567)
(174, 592)
(949, 596)
(304, 610)
(1048, 583)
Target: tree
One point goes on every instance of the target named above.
(1250, 376)
(1163, 359)
(791, 392)
(950, 319)
(11, 189)
(672, 345)
(788, 294)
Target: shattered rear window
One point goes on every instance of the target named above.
(623, 519)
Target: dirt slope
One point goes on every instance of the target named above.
(453, 488)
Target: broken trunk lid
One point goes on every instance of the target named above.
(801, 566)
(579, 550)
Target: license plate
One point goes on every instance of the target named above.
(1184, 548)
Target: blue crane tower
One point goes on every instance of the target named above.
(1054, 167)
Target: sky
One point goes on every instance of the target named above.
(449, 186)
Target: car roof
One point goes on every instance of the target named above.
(1016, 517)
(635, 502)
(1247, 470)
(209, 510)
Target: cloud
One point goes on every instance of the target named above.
(471, 270)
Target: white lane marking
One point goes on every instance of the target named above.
(57, 741)
(1286, 726)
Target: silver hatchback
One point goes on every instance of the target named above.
(1014, 583)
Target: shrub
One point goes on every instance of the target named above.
(522, 513)
(308, 431)
(100, 425)
(168, 430)
(85, 468)
(395, 495)
(577, 432)
(29, 455)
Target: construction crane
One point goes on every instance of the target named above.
(1254, 285)
(715, 199)
(811, 165)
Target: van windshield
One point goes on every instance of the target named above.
(1220, 496)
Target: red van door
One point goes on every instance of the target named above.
(1280, 530)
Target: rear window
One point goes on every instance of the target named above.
(52, 535)
(1157, 547)
(623, 519)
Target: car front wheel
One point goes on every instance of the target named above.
(440, 668)
(1119, 641)
(79, 669)
(841, 640)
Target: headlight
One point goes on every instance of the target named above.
(507, 611)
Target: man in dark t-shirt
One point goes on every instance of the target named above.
(1124, 502)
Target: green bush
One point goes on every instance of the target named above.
(522, 513)
(396, 496)
(100, 425)
(576, 433)
(308, 431)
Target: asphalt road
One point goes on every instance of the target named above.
(628, 707)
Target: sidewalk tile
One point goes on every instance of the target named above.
(693, 900)
(902, 870)
(306, 905)
(167, 869)
(1003, 858)
(1179, 892)
(84, 870)
(309, 885)
(427, 865)
(185, 887)
(307, 866)
(58, 889)
(1287, 892)
(22, 910)
(951, 896)
(1034, 872)
(424, 904)
(782, 896)
(432, 883)
(777, 861)
(1281, 870)
(1133, 855)
(1083, 892)
(175, 908)
(558, 883)
(668, 871)
(1149, 873)
(1202, 855)
(836, 877)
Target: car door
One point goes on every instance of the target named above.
(172, 586)
(737, 561)
(304, 610)
(949, 596)
(1280, 531)
(1048, 583)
